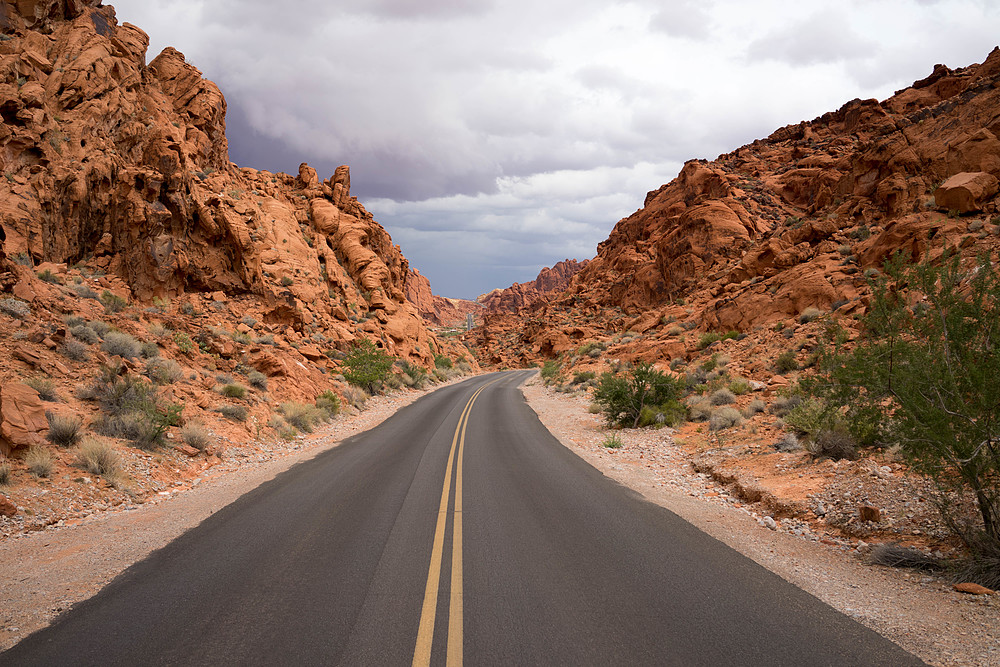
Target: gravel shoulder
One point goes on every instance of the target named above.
(920, 613)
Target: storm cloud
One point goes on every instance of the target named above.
(492, 138)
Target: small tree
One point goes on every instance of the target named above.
(622, 398)
(926, 370)
(367, 366)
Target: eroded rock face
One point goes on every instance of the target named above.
(22, 418)
(126, 166)
(788, 223)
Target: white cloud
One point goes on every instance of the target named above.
(521, 131)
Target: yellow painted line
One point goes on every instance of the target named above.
(425, 631)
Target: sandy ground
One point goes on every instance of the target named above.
(50, 570)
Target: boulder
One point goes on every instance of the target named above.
(22, 418)
(966, 192)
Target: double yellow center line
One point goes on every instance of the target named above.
(425, 633)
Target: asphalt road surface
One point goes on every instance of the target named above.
(459, 529)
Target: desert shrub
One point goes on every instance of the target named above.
(100, 327)
(811, 416)
(286, 281)
(73, 321)
(45, 387)
(929, 375)
(893, 554)
(670, 414)
(163, 371)
(232, 390)
(740, 386)
(237, 413)
(356, 396)
(284, 430)
(84, 292)
(195, 435)
(15, 307)
(809, 314)
(158, 329)
(833, 443)
(183, 342)
(266, 339)
(85, 333)
(112, 302)
(98, 457)
(699, 408)
(75, 350)
(49, 277)
(550, 371)
(756, 406)
(6, 474)
(149, 350)
(257, 380)
(583, 376)
(302, 415)
(329, 402)
(983, 568)
(39, 461)
(722, 397)
(442, 361)
(367, 366)
(144, 429)
(725, 417)
(786, 362)
(249, 320)
(131, 408)
(121, 344)
(622, 397)
(789, 442)
(612, 441)
(782, 405)
(63, 431)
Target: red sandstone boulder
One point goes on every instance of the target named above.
(22, 418)
(966, 192)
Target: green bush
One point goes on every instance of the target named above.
(739, 386)
(583, 376)
(367, 366)
(85, 333)
(441, 361)
(233, 390)
(183, 342)
(329, 402)
(722, 397)
(671, 413)
(710, 337)
(928, 375)
(786, 362)
(622, 397)
(112, 302)
(612, 441)
(149, 350)
(302, 415)
(550, 371)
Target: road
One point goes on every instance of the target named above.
(459, 529)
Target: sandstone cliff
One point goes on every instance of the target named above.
(786, 224)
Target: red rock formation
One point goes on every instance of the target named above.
(125, 166)
(524, 295)
(784, 224)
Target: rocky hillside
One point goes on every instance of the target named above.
(786, 225)
(122, 217)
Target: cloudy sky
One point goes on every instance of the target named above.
(494, 137)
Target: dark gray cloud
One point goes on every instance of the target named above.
(517, 133)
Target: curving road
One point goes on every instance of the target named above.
(459, 529)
